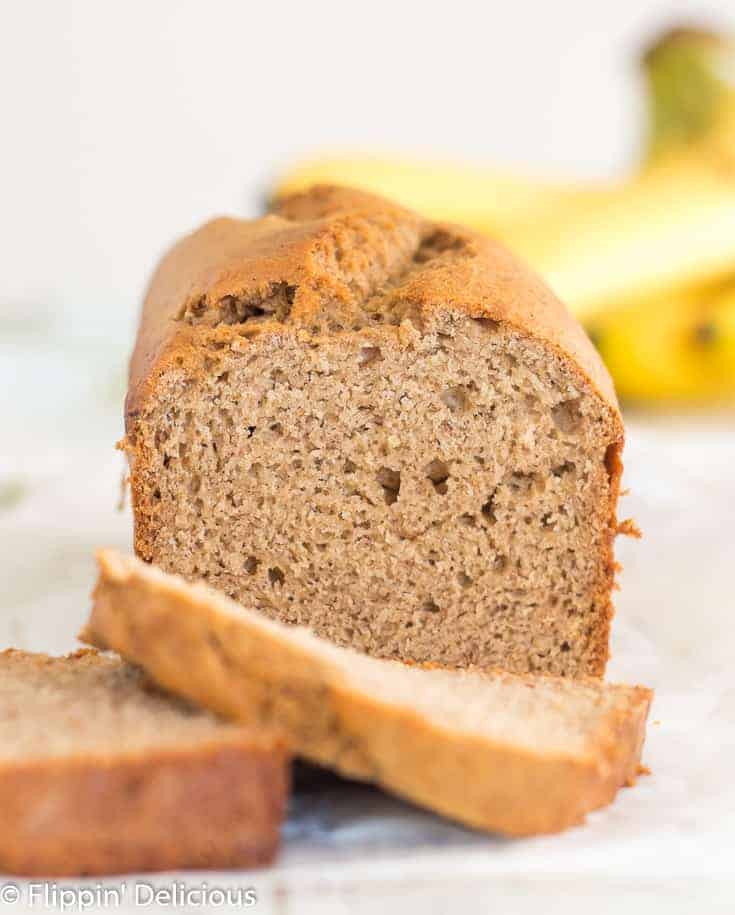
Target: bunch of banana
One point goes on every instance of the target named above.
(647, 263)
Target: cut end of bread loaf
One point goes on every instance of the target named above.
(497, 751)
(381, 428)
(102, 773)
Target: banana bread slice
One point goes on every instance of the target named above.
(497, 751)
(101, 773)
(386, 429)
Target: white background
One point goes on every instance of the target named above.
(123, 125)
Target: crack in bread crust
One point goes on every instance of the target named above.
(358, 270)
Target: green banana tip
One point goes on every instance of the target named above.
(687, 36)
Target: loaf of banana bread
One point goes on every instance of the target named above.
(384, 428)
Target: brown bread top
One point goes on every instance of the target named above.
(348, 256)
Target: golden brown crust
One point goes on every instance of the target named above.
(330, 252)
(232, 258)
(215, 804)
(187, 640)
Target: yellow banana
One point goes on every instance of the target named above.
(672, 226)
(676, 348)
(489, 199)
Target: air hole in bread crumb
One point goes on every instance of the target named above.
(430, 606)
(468, 520)
(160, 438)
(500, 563)
(455, 398)
(488, 509)
(390, 480)
(368, 355)
(251, 565)
(438, 472)
(276, 576)
(464, 580)
(566, 467)
(251, 431)
(349, 467)
(547, 521)
(521, 482)
(564, 646)
(195, 484)
(567, 416)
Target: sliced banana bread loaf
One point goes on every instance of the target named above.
(101, 773)
(386, 429)
(502, 752)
